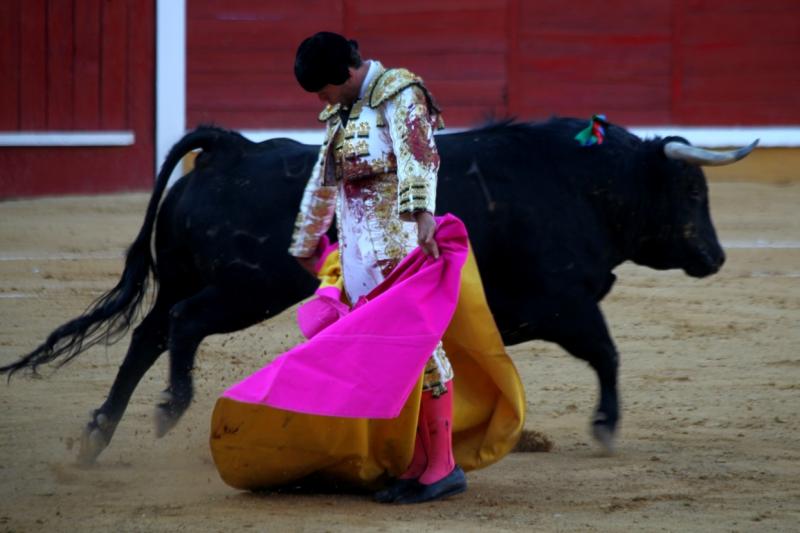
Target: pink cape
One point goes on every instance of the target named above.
(366, 363)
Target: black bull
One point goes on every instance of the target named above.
(548, 220)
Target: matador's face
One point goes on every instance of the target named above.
(344, 94)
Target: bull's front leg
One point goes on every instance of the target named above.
(581, 329)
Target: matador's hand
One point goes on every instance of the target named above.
(310, 263)
(426, 227)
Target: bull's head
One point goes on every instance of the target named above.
(679, 232)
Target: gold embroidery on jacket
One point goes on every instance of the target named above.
(391, 173)
(328, 112)
(359, 150)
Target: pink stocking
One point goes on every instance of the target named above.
(438, 414)
(421, 445)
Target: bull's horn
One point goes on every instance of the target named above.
(700, 156)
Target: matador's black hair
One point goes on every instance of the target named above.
(324, 59)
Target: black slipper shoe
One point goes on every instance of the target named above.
(453, 483)
(398, 488)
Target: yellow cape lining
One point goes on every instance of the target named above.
(256, 447)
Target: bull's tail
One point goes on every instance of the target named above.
(111, 316)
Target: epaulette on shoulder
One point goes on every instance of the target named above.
(328, 112)
(391, 82)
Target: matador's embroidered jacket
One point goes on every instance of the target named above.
(373, 172)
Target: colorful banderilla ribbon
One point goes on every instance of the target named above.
(594, 133)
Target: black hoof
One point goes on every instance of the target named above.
(169, 412)
(604, 432)
(96, 438)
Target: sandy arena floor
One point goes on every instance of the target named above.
(710, 381)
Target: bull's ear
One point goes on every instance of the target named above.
(679, 149)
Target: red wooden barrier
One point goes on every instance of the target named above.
(76, 65)
(691, 62)
(88, 65)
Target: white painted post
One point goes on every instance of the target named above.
(170, 78)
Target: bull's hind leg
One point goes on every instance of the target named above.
(213, 310)
(148, 341)
(582, 331)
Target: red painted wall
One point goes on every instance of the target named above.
(686, 62)
(738, 62)
(89, 65)
(240, 56)
(77, 65)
